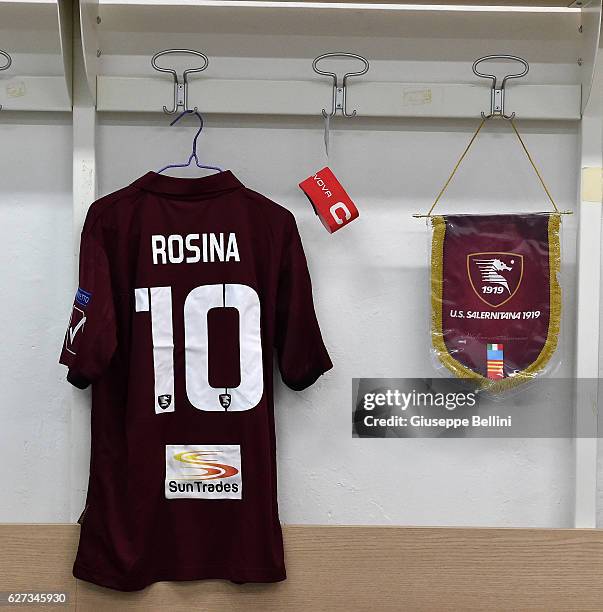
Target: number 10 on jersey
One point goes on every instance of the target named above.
(197, 305)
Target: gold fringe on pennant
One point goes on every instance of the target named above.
(437, 285)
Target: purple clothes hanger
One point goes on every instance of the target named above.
(193, 155)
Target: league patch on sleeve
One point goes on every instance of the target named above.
(75, 329)
(83, 297)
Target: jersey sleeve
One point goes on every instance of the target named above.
(302, 355)
(90, 340)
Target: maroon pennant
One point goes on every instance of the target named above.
(496, 301)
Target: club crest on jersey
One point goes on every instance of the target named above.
(164, 401)
(495, 277)
(225, 399)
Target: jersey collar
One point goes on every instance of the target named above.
(205, 185)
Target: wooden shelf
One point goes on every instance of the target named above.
(348, 569)
(142, 29)
(408, 50)
(370, 99)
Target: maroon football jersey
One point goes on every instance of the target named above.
(186, 287)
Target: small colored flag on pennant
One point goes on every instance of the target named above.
(495, 361)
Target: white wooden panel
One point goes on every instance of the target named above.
(84, 193)
(591, 28)
(215, 95)
(89, 41)
(587, 362)
(589, 304)
(65, 17)
(38, 36)
(371, 99)
(39, 93)
(462, 100)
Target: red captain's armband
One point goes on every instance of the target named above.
(329, 200)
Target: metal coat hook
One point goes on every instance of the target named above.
(180, 88)
(497, 95)
(9, 61)
(340, 90)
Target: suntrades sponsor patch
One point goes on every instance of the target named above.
(203, 472)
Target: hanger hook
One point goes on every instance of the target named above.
(180, 89)
(497, 94)
(9, 61)
(198, 115)
(193, 155)
(340, 92)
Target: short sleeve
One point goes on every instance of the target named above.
(302, 355)
(90, 340)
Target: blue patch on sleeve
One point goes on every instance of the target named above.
(83, 297)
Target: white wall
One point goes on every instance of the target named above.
(36, 275)
(370, 279)
(370, 283)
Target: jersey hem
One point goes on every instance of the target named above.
(237, 576)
